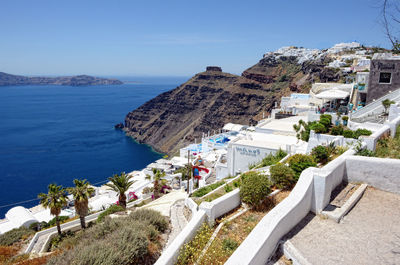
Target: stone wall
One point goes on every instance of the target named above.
(376, 89)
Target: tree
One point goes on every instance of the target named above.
(120, 184)
(81, 193)
(391, 22)
(55, 200)
(157, 177)
(386, 104)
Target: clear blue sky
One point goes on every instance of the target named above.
(170, 37)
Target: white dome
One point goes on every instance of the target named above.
(20, 216)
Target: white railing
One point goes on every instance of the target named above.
(375, 107)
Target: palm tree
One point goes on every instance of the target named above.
(55, 199)
(120, 184)
(81, 193)
(157, 177)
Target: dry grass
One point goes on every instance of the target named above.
(233, 233)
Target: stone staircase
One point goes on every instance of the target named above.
(373, 111)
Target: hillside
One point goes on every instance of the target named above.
(213, 98)
(79, 80)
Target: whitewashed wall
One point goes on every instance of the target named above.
(381, 173)
(240, 157)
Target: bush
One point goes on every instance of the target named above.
(229, 244)
(282, 176)
(326, 122)
(337, 130)
(348, 133)
(318, 127)
(320, 153)
(12, 236)
(228, 188)
(255, 188)
(61, 218)
(207, 189)
(131, 240)
(360, 132)
(150, 217)
(110, 210)
(271, 159)
(326, 116)
(299, 162)
(345, 118)
(365, 152)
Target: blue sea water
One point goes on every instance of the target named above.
(53, 134)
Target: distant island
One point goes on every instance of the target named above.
(78, 80)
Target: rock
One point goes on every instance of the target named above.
(79, 80)
(214, 68)
(119, 126)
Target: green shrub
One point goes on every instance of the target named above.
(229, 244)
(326, 122)
(110, 210)
(337, 130)
(228, 188)
(14, 235)
(282, 176)
(207, 189)
(255, 188)
(320, 153)
(236, 183)
(365, 152)
(271, 159)
(61, 218)
(318, 127)
(348, 133)
(150, 217)
(131, 240)
(299, 162)
(345, 118)
(303, 130)
(360, 132)
(326, 116)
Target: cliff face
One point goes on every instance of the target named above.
(79, 80)
(213, 98)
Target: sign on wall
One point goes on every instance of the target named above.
(248, 151)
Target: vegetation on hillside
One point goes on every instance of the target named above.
(135, 239)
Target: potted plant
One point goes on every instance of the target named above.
(345, 119)
(337, 121)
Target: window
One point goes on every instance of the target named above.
(385, 78)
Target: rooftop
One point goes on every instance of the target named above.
(270, 141)
(385, 56)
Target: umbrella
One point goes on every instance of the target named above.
(333, 94)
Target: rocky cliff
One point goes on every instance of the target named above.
(79, 80)
(213, 98)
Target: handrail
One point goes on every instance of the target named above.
(375, 105)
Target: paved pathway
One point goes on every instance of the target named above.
(163, 204)
(178, 220)
(368, 234)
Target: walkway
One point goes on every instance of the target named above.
(369, 234)
(163, 204)
(178, 220)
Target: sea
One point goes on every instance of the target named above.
(54, 134)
